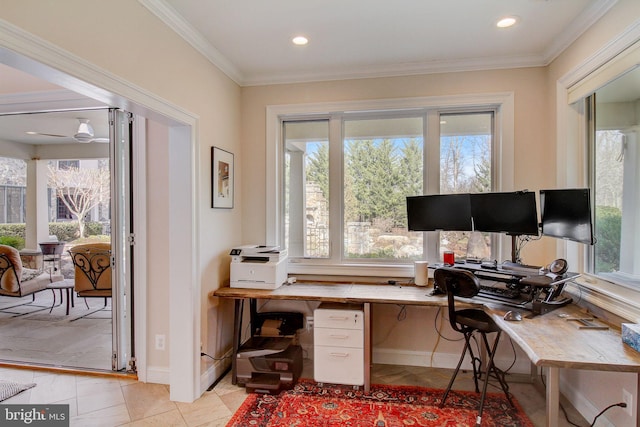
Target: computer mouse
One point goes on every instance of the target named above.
(513, 315)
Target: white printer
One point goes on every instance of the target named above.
(258, 267)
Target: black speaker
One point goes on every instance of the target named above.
(559, 266)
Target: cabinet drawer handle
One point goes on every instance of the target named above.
(342, 337)
(339, 354)
(338, 318)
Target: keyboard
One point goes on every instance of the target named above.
(499, 292)
(531, 270)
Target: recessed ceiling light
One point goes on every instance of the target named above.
(507, 21)
(300, 40)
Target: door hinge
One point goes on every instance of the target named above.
(131, 239)
(132, 365)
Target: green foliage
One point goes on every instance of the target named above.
(13, 229)
(318, 169)
(65, 231)
(69, 231)
(608, 236)
(13, 241)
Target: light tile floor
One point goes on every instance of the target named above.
(105, 401)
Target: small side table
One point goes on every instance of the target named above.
(52, 252)
(66, 285)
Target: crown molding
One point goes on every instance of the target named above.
(177, 23)
(399, 70)
(579, 25)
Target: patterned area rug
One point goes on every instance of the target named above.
(9, 389)
(307, 404)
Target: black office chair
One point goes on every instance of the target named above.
(461, 283)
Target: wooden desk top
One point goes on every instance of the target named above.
(552, 340)
(548, 340)
(342, 292)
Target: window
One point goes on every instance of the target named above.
(316, 201)
(345, 172)
(615, 180)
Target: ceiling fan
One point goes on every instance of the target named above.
(84, 134)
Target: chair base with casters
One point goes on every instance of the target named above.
(471, 321)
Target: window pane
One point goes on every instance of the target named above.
(608, 196)
(306, 227)
(383, 164)
(13, 179)
(616, 180)
(465, 167)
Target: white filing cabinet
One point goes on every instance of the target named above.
(338, 344)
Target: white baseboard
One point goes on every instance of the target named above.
(582, 404)
(158, 374)
(389, 356)
(214, 372)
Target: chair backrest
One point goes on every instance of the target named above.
(10, 269)
(456, 283)
(92, 265)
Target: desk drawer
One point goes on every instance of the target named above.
(338, 337)
(342, 319)
(338, 365)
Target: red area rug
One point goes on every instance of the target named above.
(307, 404)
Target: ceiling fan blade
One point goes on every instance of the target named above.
(50, 134)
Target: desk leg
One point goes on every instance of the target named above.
(553, 396)
(367, 347)
(237, 329)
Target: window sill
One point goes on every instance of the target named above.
(619, 300)
(300, 267)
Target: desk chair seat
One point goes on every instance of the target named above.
(461, 283)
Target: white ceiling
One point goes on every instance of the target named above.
(251, 40)
(58, 126)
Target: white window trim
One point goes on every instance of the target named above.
(572, 163)
(504, 173)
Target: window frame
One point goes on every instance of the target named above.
(572, 88)
(503, 174)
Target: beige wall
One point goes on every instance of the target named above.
(533, 136)
(394, 340)
(591, 391)
(125, 39)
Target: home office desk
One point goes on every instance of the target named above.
(550, 341)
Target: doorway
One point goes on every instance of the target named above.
(84, 163)
(183, 306)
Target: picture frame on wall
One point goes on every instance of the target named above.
(221, 178)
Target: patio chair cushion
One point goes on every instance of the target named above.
(39, 282)
(9, 281)
(29, 273)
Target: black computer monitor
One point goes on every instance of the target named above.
(446, 212)
(513, 213)
(566, 214)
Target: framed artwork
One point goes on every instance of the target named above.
(221, 178)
